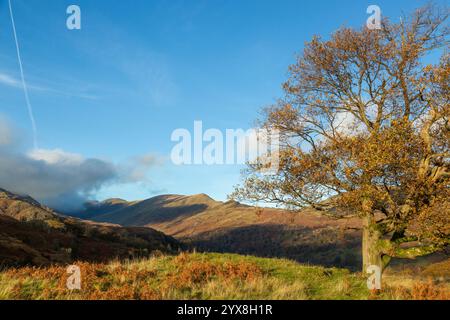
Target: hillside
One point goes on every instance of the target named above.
(307, 236)
(34, 234)
(160, 209)
(210, 225)
(211, 276)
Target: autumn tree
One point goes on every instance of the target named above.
(364, 126)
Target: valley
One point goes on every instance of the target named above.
(230, 227)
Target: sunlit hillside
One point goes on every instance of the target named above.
(212, 276)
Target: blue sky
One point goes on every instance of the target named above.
(137, 70)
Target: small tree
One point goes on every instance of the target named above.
(364, 125)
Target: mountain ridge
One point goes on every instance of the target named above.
(32, 234)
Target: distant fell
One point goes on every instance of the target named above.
(32, 234)
(209, 225)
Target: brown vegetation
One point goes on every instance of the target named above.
(207, 276)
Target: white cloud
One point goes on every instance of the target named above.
(61, 179)
(347, 124)
(53, 178)
(56, 156)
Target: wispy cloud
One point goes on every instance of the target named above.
(135, 170)
(142, 71)
(9, 81)
(12, 82)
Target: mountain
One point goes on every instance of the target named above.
(33, 234)
(160, 209)
(94, 208)
(209, 225)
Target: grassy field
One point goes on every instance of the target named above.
(207, 276)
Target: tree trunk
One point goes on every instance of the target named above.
(371, 252)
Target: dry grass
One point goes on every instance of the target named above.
(439, 270)
(204, 276)
(418, 291)
(420, 283)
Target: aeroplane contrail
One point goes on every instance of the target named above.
(24, 84)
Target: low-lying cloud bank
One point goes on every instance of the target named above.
(59, 179)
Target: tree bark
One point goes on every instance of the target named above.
(371, 251)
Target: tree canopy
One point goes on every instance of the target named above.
(364, 124)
